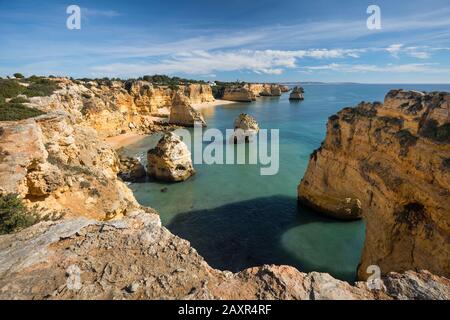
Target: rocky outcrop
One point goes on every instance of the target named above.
(284, 88)
(245, 127)
(198, 93)
(137, 258)
(170, 160)
(240, 94)
(56, 164)
(131, 169)
(183, 114)
(109, 247)
(264, 89)
(389, 162)
(297, 94)
(250, 91)
(111, 107)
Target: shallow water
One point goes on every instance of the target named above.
(237, 218)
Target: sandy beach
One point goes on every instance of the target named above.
(217, 102)
(122, 140)
(125, 139)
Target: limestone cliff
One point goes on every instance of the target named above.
(109, 247)
(111, 107)
(238, 94)
(58, 165)
(250, 91)
(183, 114)
(389, 163)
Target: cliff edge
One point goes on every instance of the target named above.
(390, 164)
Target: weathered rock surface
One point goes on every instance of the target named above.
(245, 127)
(284, 88)
(111, 107)
(109, 247)
(58, 165)
(240, 94)
(297, 94)
(250, 91)
(182, 113)
(131, 169)
(170, 160)
(137, 258)
(264, 89)
(392, 158)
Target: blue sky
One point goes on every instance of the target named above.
(282, 40)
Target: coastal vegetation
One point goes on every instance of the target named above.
(11, 111)
(14, 93)
(14, 215)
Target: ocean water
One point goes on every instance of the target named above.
(236, 218)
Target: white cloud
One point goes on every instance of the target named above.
(206, 62)
(389, 68)
(419, 54)
(394, 49)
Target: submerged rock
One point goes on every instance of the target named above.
(245, 127)
(183, 114)
(170, 160)
(297, 94)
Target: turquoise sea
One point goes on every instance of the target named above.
(236, 218)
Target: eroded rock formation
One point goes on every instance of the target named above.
(131, 169)
(56, 164)
(137, 258)
(297, 94)
(250, 91)
(183, 114)
(111, 107)
(240, 94)
(390, 163)
(170, 160)
(245, 127)
(109, 247)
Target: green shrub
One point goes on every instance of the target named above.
(10, 88)
(18, 75)
(14, 215)
(18, 100)
(40, 88)
(17, 111)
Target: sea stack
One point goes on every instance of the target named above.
(170, 160)
(390, 163)
(183, 114)
(297, 94)
(245, 127)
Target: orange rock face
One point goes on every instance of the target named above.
(390, 164)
